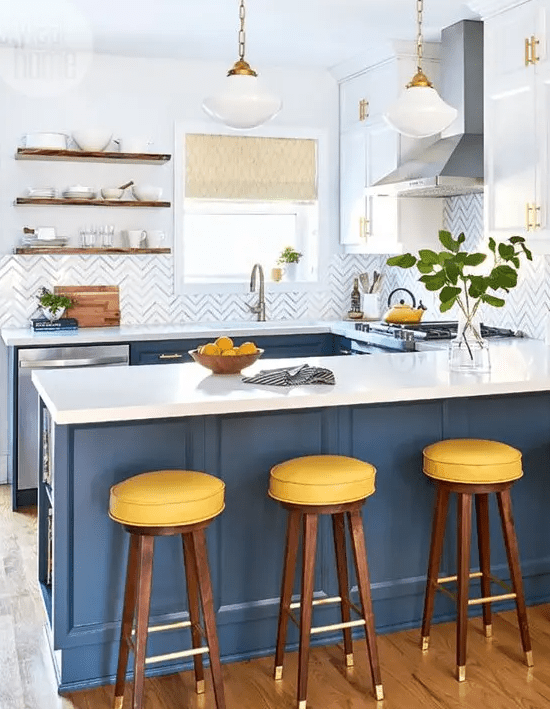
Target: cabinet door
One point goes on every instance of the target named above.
(382, 152)
(352, 187)
(511, 152)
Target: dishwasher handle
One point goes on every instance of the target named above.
(66, 363)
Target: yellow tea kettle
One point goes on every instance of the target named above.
(402, 313)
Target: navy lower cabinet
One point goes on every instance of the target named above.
(274, 346)
(246, 542)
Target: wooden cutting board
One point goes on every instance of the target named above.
(94, 306)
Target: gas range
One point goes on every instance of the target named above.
(413, 337)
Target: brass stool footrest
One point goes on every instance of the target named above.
(476, 601)
(176, 655)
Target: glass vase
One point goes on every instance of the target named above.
(469, 352)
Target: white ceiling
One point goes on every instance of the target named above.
(304, 33)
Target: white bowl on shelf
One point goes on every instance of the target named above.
(92, 141)
(147, 193)
(111, 192)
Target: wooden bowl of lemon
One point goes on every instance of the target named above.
(224, 357)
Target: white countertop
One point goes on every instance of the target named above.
(25, 337)
(106, 394)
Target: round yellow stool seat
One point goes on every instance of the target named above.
(321, 480)
(166, 498)
(472, 460)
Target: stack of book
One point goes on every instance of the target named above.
(43, 324)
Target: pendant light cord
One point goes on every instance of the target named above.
(242, 15)
(419, 38)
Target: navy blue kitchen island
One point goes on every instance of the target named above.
(114, 433)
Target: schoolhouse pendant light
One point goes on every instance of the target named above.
(243, 103)
(420, 111)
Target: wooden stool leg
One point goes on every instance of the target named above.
(289, 567)
(205, 589)
(128, 610)
(464, 539)
(145, 577)
(363, 582)
(194, 608)
(484, 547)
(306, 605)
(441, 506)
(510, 540)
(339, 533)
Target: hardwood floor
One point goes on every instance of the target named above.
(496, 676)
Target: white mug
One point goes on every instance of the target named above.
(136, 238)
(155, 239)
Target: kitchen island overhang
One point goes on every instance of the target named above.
(213, 424)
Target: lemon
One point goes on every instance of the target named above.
(210, 349)
(229, 353)
(247, 348)
(224, 343)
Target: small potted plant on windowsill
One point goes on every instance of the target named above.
(288, 260)
(52, 305)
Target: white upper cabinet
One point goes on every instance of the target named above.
(369, 150)
(517, 131)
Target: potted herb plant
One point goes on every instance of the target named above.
(289, 259)
(52, 305)
(455, 274)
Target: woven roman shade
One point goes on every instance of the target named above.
(256, 168)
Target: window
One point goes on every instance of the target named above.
(244, 199)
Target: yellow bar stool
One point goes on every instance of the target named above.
(164, 503)
(473, 468)
(308, 487)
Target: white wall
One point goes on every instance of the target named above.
(137, 97)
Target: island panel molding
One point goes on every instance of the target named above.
(246, 541)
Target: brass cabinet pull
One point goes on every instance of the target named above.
(363, 227)
(531, 50)
(363, 109)
(532, 217)
(170, 356)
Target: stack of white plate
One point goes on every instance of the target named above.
(43, 192)
(79, 192)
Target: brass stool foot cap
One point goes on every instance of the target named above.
(278, 674)
(349, 660)
(425, 643)
(379, 692)
(119, 701)
(489, 630)
(529, 658)
(199, 688)
(302, 704)
(461, 673)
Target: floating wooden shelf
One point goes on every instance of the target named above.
(26, 250)
(56, 201)
(85, 156)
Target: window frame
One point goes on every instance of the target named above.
(181, 128)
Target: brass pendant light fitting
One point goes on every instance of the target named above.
(241, 66)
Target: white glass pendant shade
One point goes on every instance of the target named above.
(242, 103)
(420, 112)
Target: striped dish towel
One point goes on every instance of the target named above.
(292, 376)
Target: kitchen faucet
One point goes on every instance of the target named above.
(260, 307)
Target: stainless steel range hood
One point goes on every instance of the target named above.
(453, 165)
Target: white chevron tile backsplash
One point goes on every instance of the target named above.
(147, 291)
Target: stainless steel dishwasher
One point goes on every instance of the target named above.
(27, 435)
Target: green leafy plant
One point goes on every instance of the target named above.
(54, 302)
(450, 272)
(289, 255)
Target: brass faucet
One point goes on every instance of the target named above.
(260, 307)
